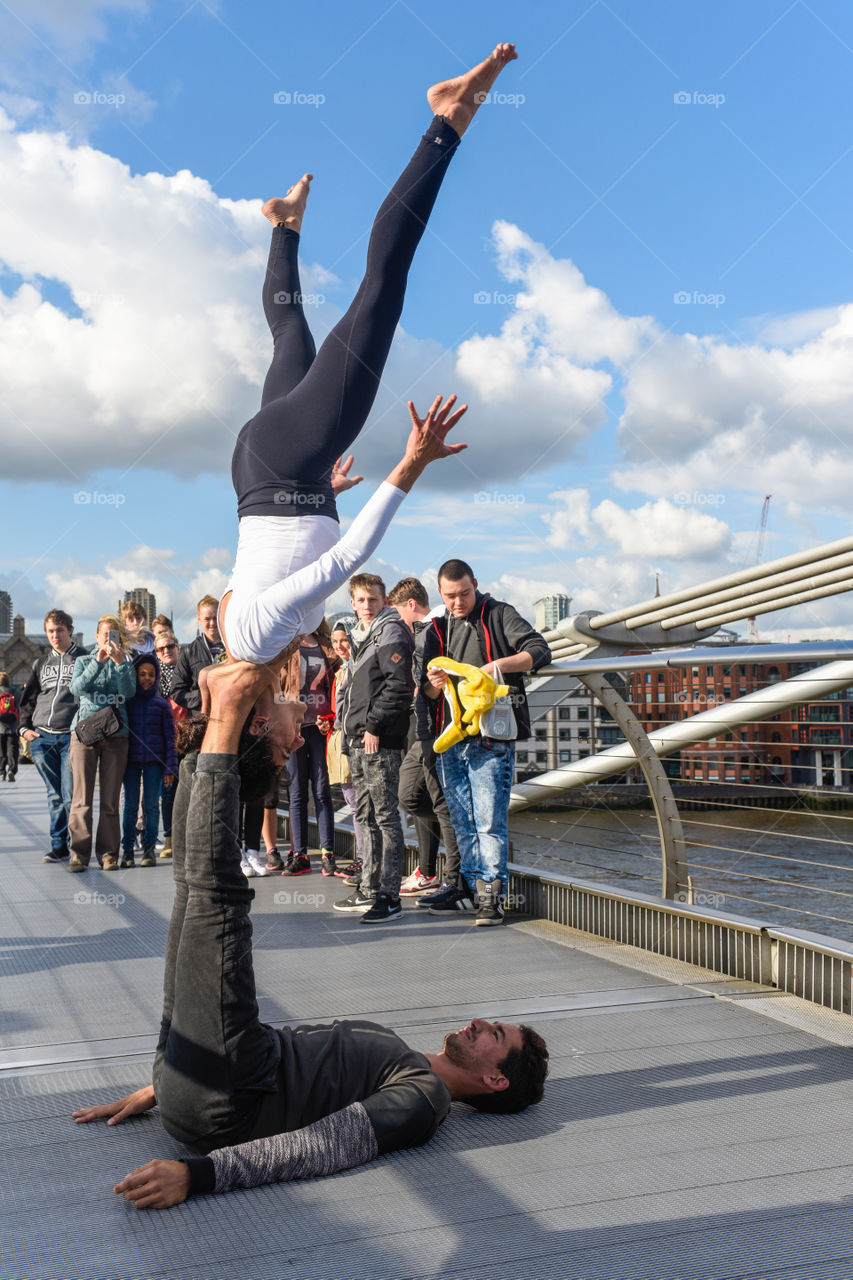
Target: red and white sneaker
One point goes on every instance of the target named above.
(417, 883)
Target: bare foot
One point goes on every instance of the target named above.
(458, 99)
(288, 211)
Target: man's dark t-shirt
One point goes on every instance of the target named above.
(326, 1068)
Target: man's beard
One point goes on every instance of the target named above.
(456, 1049)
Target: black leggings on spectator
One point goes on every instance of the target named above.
(314, 405)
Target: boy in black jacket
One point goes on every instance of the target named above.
(375, 722)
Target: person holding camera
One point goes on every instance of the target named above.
(103, 681)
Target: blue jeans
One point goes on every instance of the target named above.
(50, 757)
(151, 777)
(476, 776)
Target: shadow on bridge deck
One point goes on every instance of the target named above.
(680, 1136)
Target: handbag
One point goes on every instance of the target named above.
(101, 724)
(499, 721)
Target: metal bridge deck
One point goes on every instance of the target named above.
(681, 1135)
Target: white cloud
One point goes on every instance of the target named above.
(657, 529)
(87, 593)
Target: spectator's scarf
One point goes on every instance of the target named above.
(167, 675)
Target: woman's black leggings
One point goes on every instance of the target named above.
(315, 404)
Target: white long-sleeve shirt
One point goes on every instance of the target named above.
(287, 566)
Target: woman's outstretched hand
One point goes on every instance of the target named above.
(426, 441)
(341, 478)
(427, 438)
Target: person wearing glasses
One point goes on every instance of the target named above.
(166, 648)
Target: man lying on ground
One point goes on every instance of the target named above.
(261, 1104)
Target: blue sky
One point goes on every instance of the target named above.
(638, 273)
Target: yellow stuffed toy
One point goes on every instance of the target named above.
(476, 692)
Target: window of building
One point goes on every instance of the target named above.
(564, 735)
(541, 757)
(565, 757)
(521, 757)
(564, 713)
(583, 713)
(540, 735)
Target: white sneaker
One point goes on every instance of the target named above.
(256, 862)
(246, 867)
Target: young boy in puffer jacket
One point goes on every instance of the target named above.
(151, 758)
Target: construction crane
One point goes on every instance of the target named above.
(751, 629)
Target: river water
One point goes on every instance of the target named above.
(781, 867)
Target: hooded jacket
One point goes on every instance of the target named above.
(47, 703)
(192, 658)
(378, 695)
(494, 630)
(150, 724)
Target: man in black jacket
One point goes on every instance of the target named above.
(47, 708)
(476, 774)
(201, 652)
(375, 723)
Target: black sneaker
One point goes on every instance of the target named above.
(489, 905)
(346, 870)
(128, 862)
(383, 909)
(357, 901)
(446, 889)
(55, 855)
(298, 865)
(456, 900)
(274, 862)
(327, 862)
(148, 859)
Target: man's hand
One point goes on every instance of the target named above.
(156, 1185)
(371, 743)
(168, 779)
(133, 1105)
(437, 678)
(30, 735)
(341, 478)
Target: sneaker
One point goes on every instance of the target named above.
(109, 863)
(344, 869)
(445, 892)
(55, 855)
(254, 859)
(383, 909)
(247, 868)
(457, 900)
(147, 859)
(300, 866)
(327, 862)
(77, 864)
(489, 905)
(166, 851)
(357, 901)
(127, 862)
(274, 862)
(418, 883)
(160, 844)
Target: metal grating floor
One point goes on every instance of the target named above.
(682, 1136)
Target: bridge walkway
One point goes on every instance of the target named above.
(684, 1133)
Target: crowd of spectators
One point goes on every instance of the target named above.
(374, 706)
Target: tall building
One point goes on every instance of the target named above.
(5, 613)
(550, 610)
(143, 597)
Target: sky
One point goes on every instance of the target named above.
(638, 274)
